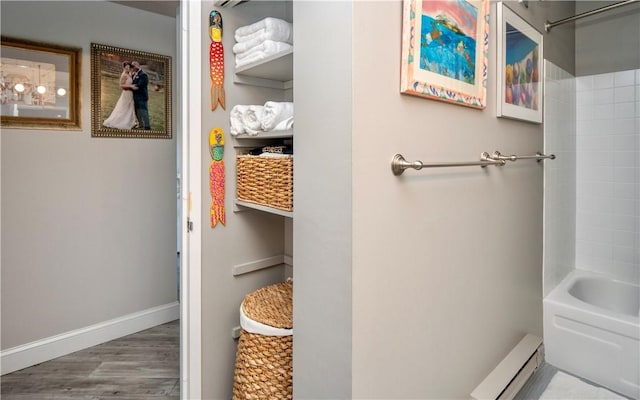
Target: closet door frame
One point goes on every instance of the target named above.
(191, 260)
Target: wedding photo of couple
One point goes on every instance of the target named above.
(131, 94)
(131, 110)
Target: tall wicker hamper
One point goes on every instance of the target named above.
(264, 360)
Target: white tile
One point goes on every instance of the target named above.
(603, 81)
(624, 142)
(626, 159)
(637, 75)
(624, 110)
(624, 126)
(624, 78)
(552, 91)
(625, 175)
(625, 207)
(584, 83)
(626, 272)
(624, 254)
(603, 96)
(626, 190)
(584, 112)
(592, 253)
(595, 204)
(592, 188)
(586, 98)
(625, 222)
(624, 94)
(606, 111)
(624, 239)
(602, 236)
(602, 221)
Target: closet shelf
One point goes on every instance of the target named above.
(267, 135)
(245, 204)
(275, 72)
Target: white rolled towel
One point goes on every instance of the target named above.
(251, 119)
(276, 29)
(236, 119)
(277, 116)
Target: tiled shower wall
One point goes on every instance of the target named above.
(559, 175)
(608, 174)
(592, 189)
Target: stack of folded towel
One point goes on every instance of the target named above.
(253, 119)
(261, 40)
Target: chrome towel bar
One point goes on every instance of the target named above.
(538, 157)
(399, 164)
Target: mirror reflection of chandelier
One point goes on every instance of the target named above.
(40, 88)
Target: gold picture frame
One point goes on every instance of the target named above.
(39, 85)
(108, 72)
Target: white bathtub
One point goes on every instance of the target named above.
(592, 330)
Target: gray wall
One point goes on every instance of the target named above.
(248, 235)
(322, 227)
(427, 281)
(607, 42)
(88, 224)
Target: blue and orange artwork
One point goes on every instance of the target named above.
(521, 74)
(448, 39)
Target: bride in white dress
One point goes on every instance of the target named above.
(123, 115)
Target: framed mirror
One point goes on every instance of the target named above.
(40, 85)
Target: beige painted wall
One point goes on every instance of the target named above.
(447, 263)
(88, 224)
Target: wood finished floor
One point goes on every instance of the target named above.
(145, 365)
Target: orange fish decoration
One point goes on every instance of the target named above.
(216, 177)
(216, 60)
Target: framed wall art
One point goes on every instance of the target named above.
(444, 50)
(39, 85)
(519, 73)
(130, 93)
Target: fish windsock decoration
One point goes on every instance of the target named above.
(216, 177)
(216, 60)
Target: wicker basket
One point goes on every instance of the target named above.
(265, 180)
(264, 364)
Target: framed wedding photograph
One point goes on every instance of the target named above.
(519, 74)
(39, 85)
(445, 49)
(130, 93)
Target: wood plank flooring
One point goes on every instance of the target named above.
(145, 365)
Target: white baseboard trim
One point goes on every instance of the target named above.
(46, 349)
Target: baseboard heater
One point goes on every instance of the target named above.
(514, 370)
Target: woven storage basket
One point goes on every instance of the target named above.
(265, 180)
(264, 364)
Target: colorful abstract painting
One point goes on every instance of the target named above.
(520, 67)
(444, 50)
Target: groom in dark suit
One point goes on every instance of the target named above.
(141, 96)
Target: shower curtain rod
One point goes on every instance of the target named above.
(548, 25)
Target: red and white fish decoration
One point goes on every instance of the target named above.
(216, 60)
